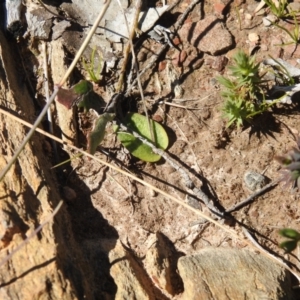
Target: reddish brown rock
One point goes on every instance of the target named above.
(208, 35)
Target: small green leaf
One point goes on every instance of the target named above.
(288, 246)
(137, 148)
(97, 134)
(83, 87)
(290, 233)
(226, 82)
(72, 96)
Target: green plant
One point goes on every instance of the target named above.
(242, 92)
(293, 34)
(290, 174)
(278, 8)
(93, 71)
(236, 111)
(138, 123)
(293, 239)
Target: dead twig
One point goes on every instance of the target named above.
(252, 197)
(128, 48)
(49, 114)
(130, 44)
(183, 171)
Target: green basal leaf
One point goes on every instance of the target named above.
(97, 134)
(137, 148)
(290, 233)
(288, 246)
(83, 87)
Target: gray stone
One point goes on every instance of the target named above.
(254, 181)
(39, 23)
(218, 273)
(59, 28)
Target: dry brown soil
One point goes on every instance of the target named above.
(109, 204)
(198, 139)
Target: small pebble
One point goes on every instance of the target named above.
(267, 21)
(248, 17)
(264, 47)
(254, 181)
(253, 37)
(176, 41)
(162, 65)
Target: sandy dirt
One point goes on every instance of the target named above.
(109, 204)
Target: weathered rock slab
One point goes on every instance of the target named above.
(217, 274)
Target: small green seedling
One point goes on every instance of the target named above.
(293, 239)
(237, 110)
(293, 34)
(278, 8)
(241, 93)
(94, 72)
(137, 123)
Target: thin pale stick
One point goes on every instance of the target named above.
(181, 106)
(49, 114)
(130, 46)
(262, 250)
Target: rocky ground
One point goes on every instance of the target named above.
(115, 238)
